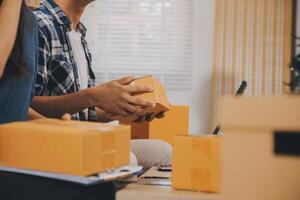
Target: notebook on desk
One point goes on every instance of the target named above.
(155, 177)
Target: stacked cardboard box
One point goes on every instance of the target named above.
(67, 147)
(197, 163)
(175, 122)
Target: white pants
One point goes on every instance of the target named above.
(148, 153)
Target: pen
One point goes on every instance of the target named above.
(239, 92)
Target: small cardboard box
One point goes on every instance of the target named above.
(66, 147)
(197, 163)
(158, 97)
(175, 122)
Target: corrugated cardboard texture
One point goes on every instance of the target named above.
(197, 163)
(158, 97)
(67, 147)
(175, 122)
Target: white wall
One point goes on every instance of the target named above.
(199, 99)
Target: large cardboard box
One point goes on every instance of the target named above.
(197, 163)
(261, 148)
(158, 97)
(175, 122)
(66, 147)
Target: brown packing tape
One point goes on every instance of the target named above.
(201, 169)
(108, 141)
(109, 160)
(203, 147)
(200, 179)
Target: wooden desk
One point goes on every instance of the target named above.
(148, 192)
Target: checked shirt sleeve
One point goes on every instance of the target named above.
(43, 59)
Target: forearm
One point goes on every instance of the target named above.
(32, 114)
(57, 106)
(9, 21)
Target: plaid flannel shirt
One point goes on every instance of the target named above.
(57, 72)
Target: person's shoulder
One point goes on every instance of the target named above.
(44, 18)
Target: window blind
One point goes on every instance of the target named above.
(142, 37)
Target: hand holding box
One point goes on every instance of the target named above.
(157, 97)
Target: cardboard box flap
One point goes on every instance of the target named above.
(158, 95)
(161, 95)
(271, 113)
(88, 126)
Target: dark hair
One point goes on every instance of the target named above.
(16, 66)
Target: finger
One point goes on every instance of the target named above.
(139, 89)
(141, 112)
(160, 115)
(135, 110)
(123, 113)
(121, 109)
(125, 80)
(141, 119)
(66, 117)
(139, 101)
(130, 108)
(110, 115)
(150, 117)
(117, 110)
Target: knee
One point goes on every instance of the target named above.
(152, 152)
(165, 150)
(162, 154)
(132, 159)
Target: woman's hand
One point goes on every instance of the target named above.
(66, 117)
(150, 117)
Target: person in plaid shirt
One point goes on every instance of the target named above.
(65, 81)
(60, 69)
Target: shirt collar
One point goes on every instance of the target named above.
(59, 16)
(82, 29)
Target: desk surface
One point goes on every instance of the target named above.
(148, 192)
